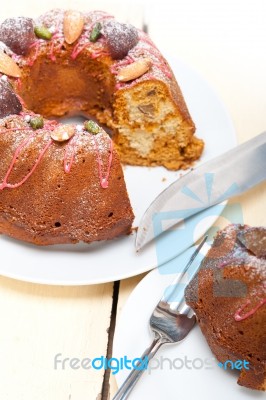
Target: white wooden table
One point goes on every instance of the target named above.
(225, 41)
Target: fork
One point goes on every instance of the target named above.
(170, 322)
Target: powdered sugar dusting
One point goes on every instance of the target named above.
(17, 34)
(123, 40)
(145, 48)
(254, 239)
(99, 145)
(237, 262)
(120, 38)
(238, 255)
(9, 103)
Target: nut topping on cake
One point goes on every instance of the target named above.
(120, 38)
(92, 127)
(96, 32)
(8, 66)
(18, 34)
(43, 33)
(9, 103)
(63, 133)
(73, 25)
(36, 122)
(134, 70)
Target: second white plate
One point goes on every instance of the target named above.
(187, 370)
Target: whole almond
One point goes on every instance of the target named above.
(134, 70)
(63, 132)
(8, 66)
(73, 25)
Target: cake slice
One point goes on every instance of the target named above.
(228, 296)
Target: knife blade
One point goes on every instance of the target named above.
(219, 179)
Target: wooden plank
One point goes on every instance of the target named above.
(126, 287)
(37, 322)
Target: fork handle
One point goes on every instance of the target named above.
(135, 374)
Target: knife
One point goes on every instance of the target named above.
(219, 179)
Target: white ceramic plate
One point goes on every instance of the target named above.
(104, 262)
(187, 370)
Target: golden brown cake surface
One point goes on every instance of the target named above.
(229, 298)
(60, 192)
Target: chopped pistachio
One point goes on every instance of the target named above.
(42, 32)
(96, 32)
(36, 122)
(92, 127)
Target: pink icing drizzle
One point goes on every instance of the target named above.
(69, 154)
(163, 68)
(104, 180)
(139, 52)
(55, 48)
(78, 48)
(99, 53)
(119, 85)
(32, 60)
(239, 317)
(15, 129)
(69, 158)
(115, 67)
(24, 143)
(155, 52)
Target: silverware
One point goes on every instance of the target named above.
(227, 175)
(170, 322)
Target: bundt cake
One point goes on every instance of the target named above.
(64, 183)
(228, 296)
